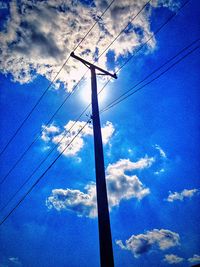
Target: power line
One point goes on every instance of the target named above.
(123, 65)
(41, 176)
(115, 102)
(65, 100)
(94, 25)
(129, 24)
(154, 71)
(37, 181)
(35, 139)
(167, 21)
(155, 33)
(108, 107)
(51, 119)
(149, 39)
(41, 162)
(33, 108)
(50, 84)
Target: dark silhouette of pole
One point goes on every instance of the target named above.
(106, 251)
(105, 237)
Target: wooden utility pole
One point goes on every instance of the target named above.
(105, 237)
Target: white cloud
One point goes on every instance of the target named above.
(107, 131)
(47, 131)
(119, 187)
(71, 129)
(161, 151)
(156, 239)
(122, 186)
(182, 195)
(194, 259)
(84, 204)
(173, 259)
(39, 35)
(64, 138)
(126, 165)
(162, 170)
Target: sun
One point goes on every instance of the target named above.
(86, 90)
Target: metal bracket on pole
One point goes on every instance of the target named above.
(105, 237)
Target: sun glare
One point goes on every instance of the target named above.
(86, 91)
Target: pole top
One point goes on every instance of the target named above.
(90, 65)
(72, 54)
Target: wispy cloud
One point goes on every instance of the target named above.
(119, 186)
(162, 170)
(54, 135)
(39, 35)
(173, 259)
(161, 151)
(161, 160)
(156, 239)
(194, 259)
(15, 260)
(181, 195)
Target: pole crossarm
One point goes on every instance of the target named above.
(90, 65)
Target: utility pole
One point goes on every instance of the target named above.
(105, 238)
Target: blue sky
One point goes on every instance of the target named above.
(151, 139)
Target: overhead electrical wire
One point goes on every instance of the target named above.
(155, 33)
(107, 107)
(153, 72)
(42, 175)
(134, 54)
(52, 117)
(58, 109)
(31, 144)
(122, 66)
(143, 45)
(99, 18)
(149, 39)
(40, 164)
(51, 83)
(113, 103)
(129, 24)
